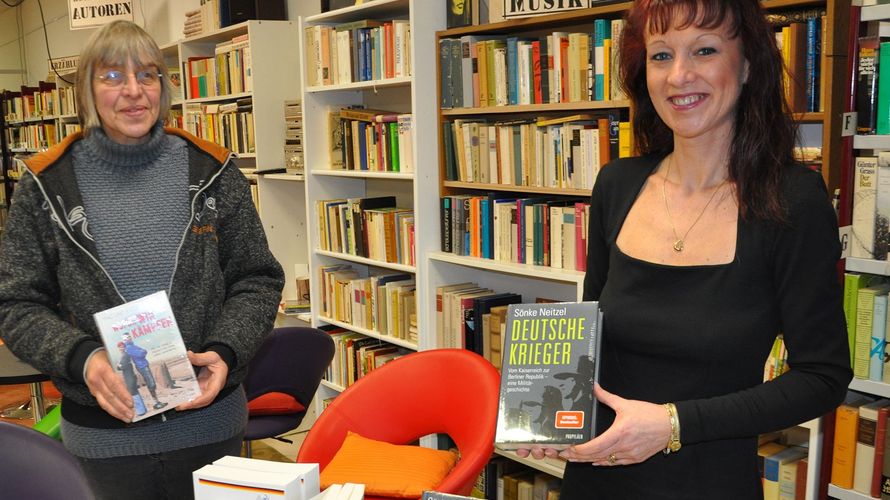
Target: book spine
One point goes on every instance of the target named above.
(844, 451)
(864, 206)
(865, 449)
(876, 352)
(864, 319)
(880, 451)
(866, 90)
(882, 120)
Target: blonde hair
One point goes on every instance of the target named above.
(115, 45)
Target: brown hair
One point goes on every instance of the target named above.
(763, 132)
(116, 44)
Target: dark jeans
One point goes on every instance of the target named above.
(154, 477)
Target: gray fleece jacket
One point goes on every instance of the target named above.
(225, 288)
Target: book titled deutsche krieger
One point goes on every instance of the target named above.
(550, 362)
(145, 347)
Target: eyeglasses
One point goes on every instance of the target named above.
(114, 78)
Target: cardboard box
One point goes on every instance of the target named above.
(236, 478)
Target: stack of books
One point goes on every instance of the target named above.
(293, 137)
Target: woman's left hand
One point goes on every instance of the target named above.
(640, 430)
(211, 378)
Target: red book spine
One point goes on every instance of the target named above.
(564, 68)
(880, 451)
(800, 479)
(536, 64)
(580, 260)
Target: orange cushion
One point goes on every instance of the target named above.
(274, 403)
(389, 470)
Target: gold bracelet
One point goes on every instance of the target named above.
(673, 444)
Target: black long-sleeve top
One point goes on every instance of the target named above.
(699, 335)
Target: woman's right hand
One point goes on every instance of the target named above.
(108, 388)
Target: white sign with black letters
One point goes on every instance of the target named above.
(92, 13)
(525, 8)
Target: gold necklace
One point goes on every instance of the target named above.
(679, 243)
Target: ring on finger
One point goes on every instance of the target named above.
(612, 459)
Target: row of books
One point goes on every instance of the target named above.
(228, 71)
(859, 458)
(506, 479)
(801, 46)
(865, 308)
(472, 317)
(873, 79)
(367, 227)
(783, 469)
(357, 51)
(356, 355)
(229, 124)
(777, 360)
(539, 231)
(564, 152)
(382, 303)
(559, 67)
(870, 238)
(46, 100)
(32, 136)
(372, 140)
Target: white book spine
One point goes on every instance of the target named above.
(864, 207)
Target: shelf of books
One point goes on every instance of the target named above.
(859, 445)
(234, 83)
(239, 86)
(369, 124)
(34, 119)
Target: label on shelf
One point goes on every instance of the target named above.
(845, 234)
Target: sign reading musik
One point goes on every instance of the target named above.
(526, 8)
(92, 13)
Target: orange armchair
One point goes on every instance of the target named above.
(450, 391)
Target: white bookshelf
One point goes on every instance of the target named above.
(417, 190)
(844, 494)
(275, 62)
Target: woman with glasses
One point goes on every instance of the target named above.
(118, 212)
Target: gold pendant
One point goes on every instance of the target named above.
(678, 245)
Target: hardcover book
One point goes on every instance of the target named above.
(144, 345)
(550, 362)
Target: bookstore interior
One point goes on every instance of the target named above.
(422, 170)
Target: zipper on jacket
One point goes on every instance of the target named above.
(63, 223)
(185, 233)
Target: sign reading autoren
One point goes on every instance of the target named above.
(92, 13)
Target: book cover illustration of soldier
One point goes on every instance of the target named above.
(549, 367)
(144, 345)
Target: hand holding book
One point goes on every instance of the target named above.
(108, 387)
(211, 378)
(640, 430)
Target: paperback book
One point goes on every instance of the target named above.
(145, 347)
(550, 362)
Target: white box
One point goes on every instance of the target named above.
(236, 478)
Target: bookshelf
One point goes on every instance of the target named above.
(397, 90)
(34, 118)
(821, 127)
(865, 146)
(270, 50)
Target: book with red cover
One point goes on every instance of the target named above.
(880, 451)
